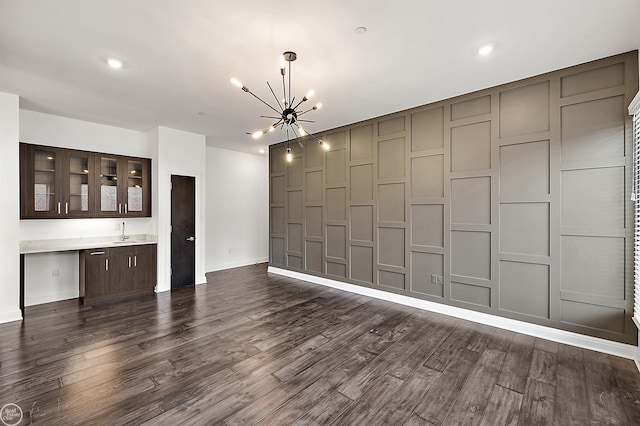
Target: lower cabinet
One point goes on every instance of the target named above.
(115, 272)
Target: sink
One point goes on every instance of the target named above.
(128, 241)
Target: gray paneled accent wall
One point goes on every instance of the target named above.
(513, 201)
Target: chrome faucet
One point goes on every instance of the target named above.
(123, 236)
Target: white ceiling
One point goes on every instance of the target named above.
(180, 55)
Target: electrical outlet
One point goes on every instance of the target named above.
(439, 279)
(55, 272)
(434, 279)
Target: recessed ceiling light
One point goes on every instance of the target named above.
(360, 30)
(485, 50)
(114, 63)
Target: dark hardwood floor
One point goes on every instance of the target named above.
(254, 348)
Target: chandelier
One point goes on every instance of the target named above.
(287, 111)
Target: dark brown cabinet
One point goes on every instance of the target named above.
(65, 183)
(116, 272)
(123, 186)
(40, 181)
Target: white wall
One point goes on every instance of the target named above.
(10, 211)
(237, 213)
(41, 286)
(178, 153)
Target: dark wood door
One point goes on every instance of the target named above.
(97, 278)
(144, 264)
(183, 231)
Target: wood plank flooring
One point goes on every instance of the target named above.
(256, 348)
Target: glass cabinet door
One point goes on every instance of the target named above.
(134, 186)
(108, 185)
(44, 181)
(78, 167)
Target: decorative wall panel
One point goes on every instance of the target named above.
(427, 177)
(471, 200)
(337, 241)
(427, 225)
(471, 147)
(362, 143)
(313, 222)
(524, 170)
(362, 183)
(514, 201)
(425, 270)
(524, 288)
(391, 202)
(471, 108)
(362, 223)
(427, 129)
(391, 158)
(525, 110)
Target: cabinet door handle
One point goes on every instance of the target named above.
(66, 207)
(106, 264)
(96, 252)
(58, 207)
(190, 239)
(119, 208)
(135, 261)
(126, 209)
(129, 261)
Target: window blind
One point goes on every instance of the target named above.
(635, 196)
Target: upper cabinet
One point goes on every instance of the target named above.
(123, 186)
(78, 193)
(65, 183)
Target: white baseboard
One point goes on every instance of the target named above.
(9, 316)
(236, 264)
(543, 332)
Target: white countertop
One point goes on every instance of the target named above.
(68, 244)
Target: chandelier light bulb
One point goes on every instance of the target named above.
(237, 82)
(309, 94)
(301, 130)
(325, 146)
(282, 64)
(289, 155)
(271, 129)
(256, 135)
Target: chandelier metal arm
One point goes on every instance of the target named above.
(304, 112)
(274, 96)
(260, 99)
(290, 83)
(284, 90)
